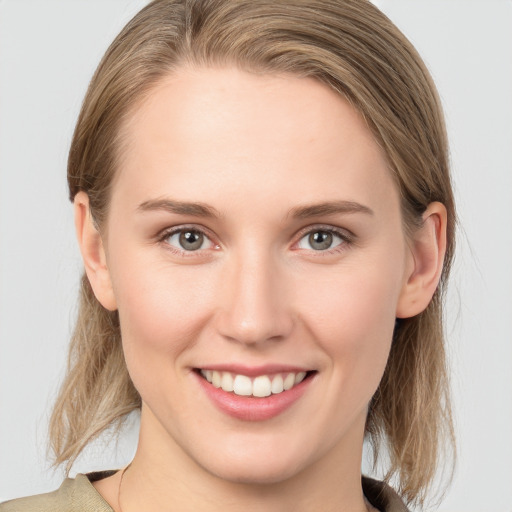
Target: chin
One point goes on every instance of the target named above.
(262, 465)
(251, 474)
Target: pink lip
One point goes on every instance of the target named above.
(251, 408)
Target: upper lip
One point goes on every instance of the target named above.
(254, 371)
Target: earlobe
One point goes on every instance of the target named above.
(427, 251)
(93, 253)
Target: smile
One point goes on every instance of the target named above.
(254, 394)
(260, 386)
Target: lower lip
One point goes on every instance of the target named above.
(251, 408)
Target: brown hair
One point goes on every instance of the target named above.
(348, 45)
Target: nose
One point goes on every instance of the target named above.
(254, 306)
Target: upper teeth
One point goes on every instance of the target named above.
(261, 386)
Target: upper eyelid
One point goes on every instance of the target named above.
(183, 227)
(343, 232)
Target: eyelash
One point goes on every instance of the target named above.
(166, 234)
(347, 239)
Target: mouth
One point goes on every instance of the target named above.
(254, 393)
(259, 386)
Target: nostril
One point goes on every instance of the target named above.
(256, 327)
(253, 304)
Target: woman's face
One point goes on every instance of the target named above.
(254, 233)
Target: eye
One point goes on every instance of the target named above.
(321, 240)
(188, 240)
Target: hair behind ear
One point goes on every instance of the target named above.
(410, 414)
(97, 391)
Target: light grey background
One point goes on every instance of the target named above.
(48, 52)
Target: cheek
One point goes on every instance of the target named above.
(161, 309)
(162, 314)
(352, 316)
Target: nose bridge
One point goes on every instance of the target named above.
(255, 308)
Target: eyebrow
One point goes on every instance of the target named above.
(299, 212)
(329, 208)
(179, 207)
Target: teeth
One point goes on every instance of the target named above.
(299, 378)
(261, 386)
(242, 385)
(227, 382)
(289, 381)
(277, 385)
(216, 379)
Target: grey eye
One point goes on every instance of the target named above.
(320, 240)
(189, 240)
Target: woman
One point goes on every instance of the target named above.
(264, 209)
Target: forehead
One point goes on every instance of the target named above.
(254, 132)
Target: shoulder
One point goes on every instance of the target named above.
(74, 495)
(381, 496)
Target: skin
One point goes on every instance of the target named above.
(255, 149)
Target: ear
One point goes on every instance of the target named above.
(93, 252)
(427, 250)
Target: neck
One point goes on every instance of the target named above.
(162, 477)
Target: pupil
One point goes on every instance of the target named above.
(191, 240)
(320, 240)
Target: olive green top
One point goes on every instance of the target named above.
(78, 495)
